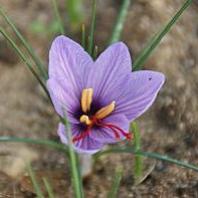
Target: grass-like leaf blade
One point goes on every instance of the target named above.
(61, 147)
(92, 28)
(75, 11)
(58, 17)
(27, 46)
(146, 52)
(35, 182)
(137, 145)
(117, 30)
(46, 143)
(25, 60)
(83, 42)
(116, 183)
(48, 188)
(149, 155)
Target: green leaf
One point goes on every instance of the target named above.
(38, 27)
(27, 46)
(116, 183)
(149, 155)
(58, 17)
(47, 143)
(137, 145)
(83, 43)
(120, 22)
(147, 51)
(35, 182)
(92, 29)
(75, 11)
(48, 188)
(25, 60)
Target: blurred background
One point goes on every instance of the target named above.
(169, 127)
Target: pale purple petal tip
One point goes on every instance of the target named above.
(138, 93)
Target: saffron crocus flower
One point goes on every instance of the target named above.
(100, 97)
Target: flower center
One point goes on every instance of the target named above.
(96, 119)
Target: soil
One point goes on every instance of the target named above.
(169, 127)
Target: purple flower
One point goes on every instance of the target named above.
(101, 98)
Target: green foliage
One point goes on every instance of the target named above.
(24, 59)
(35, 183)
(137, 145)
(116, 183)
(38, 27)
(74, 9)
(117, 30)
(75, 172)
(56, 26)
(58, 17)
(83, 43)
(147, 51)
(129, 149)
(27, 46)
(92, 29)
(48, 188)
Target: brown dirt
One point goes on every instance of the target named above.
(169, 127)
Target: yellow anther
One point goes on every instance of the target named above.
(105, 111)
(86, 99)
(85, 119)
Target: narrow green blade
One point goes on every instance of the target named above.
(92, 29)
(35, 182)
(116, 183)
(75, 11)
(120, 22)
(149, 155)
(24, 59)
(137, 145)
(147, 51)
(83, 42)
(58, 17)
(48, 188)
(28, 47)
(47, 143)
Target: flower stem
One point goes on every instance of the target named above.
(76, 177)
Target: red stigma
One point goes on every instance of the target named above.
(82, 135)
(115, 129)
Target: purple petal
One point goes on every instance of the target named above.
(69, 61)
(106, 135)
(111, 65)
(63, 98)
(137, 93)
(86, 145)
